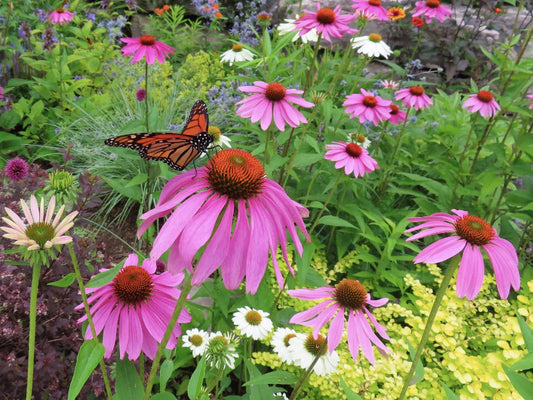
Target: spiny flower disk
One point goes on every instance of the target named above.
(147, 40)
(40, 232)
(316, 346)
(196, 340)
(325, 16)
(370, 101)
(485, 96)
(375, 3)
(288, 338)
(351, 294)
(275, 92)
(253, 317)
(133, 285)
(354, 149)
(474, 230)
(375, 37)
(236, 173)
(416, 90)
(237, 47)
(433, 3)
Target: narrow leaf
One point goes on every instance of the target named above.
(197, 378)
(523, 385)
(527, 333)
(88, 358)
(350, 394)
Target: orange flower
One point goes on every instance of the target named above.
(166, 8)
(159, 11)
(497, 10)
(218, 15)
(215, 6)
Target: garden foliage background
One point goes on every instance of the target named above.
(67, 88)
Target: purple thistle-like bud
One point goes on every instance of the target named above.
(17, 169)
(140, 94)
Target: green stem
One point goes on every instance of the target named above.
(311, 67)
(332, 191)
(448, 274)
(89, 316)
(187, 286)
(146, 95)
(266, 157)
(308, 371)
(33, 321)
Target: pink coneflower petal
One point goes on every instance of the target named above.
(441, 250)
(505, 267)
(471, 272)
(336, 328)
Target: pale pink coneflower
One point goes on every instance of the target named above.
(432, 9)
(389, 84)
(39, 231)
(413, 96)
(272, 101)
(232, 209)
(367, 107)
(396, 115)
(60, 16)
(137, 306)
(146, 46)
(327, 22)
(371, 6)
(469, 233)
(483, 102)
(351, 157)
(348, 296)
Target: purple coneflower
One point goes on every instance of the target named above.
(349, 295)
(371, 6)
(271, 101)
(232, 209)
(413, 96)
(396, 115)
(367, 107)
(137, 305)
(146, 46)
(327, 22)
(60, 16)
(351, 157)
(483, 102)
(432, 9)
(469, 234)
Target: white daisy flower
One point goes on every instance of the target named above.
(221, 350)
(288, 26)
(304, 350)
(371, 46)
(220, 139)
(252, 323)
(235, 54)
(197, 340)
(360, 139)
(281, 340)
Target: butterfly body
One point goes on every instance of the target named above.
(175, 149)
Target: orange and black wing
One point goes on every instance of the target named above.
(177, 150)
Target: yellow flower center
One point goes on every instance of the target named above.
(237, 47)
(236, 173)
(196, 340)
(374, 37)
(314, 346)
(253, 317)
(133, 285)
(287, 338)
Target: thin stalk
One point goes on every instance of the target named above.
(332, 191)
(308, 371)
(285, 153)
(482, 142)
(276, 300)
(266, 157)
(89, 316)
(448, 274)
(146, 95)
(33, 322)
(187, 286)
(311, 67)
(341, 202)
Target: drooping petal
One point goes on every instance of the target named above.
(471, 272)
(441, 250)
(336, 328)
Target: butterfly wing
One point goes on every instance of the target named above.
(176, 150)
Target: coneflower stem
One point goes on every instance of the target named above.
(308, 371)
(146, 95)
(448, 274)
(331, 192)
(89, 316)
(33, 317)
(187, 286)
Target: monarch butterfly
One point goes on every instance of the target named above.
(175, 149)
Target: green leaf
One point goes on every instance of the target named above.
(163, 396)
(524, 363)
(65, 281)
(137, 180)
(104, 277)
(419, 371)
(527, 333)
(335, 221)
(350, 394)
(128, 384)
(165, 372)
(274, 377)
(88, 358)
(449, 394)
(257, 391)
(118, 185)
(523, 385)
(197, 378)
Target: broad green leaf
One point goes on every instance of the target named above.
(128, 384)
(65, 281)
(274, 377)
(350, 394)
(257, 391)
(137, 180)
(527, 333)
(197, 379)
(131, 192)
(105, 277)
(163, 396)
(524, 363)
(165, 372)
(88, 358)
(335, 221)
(523, 385)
